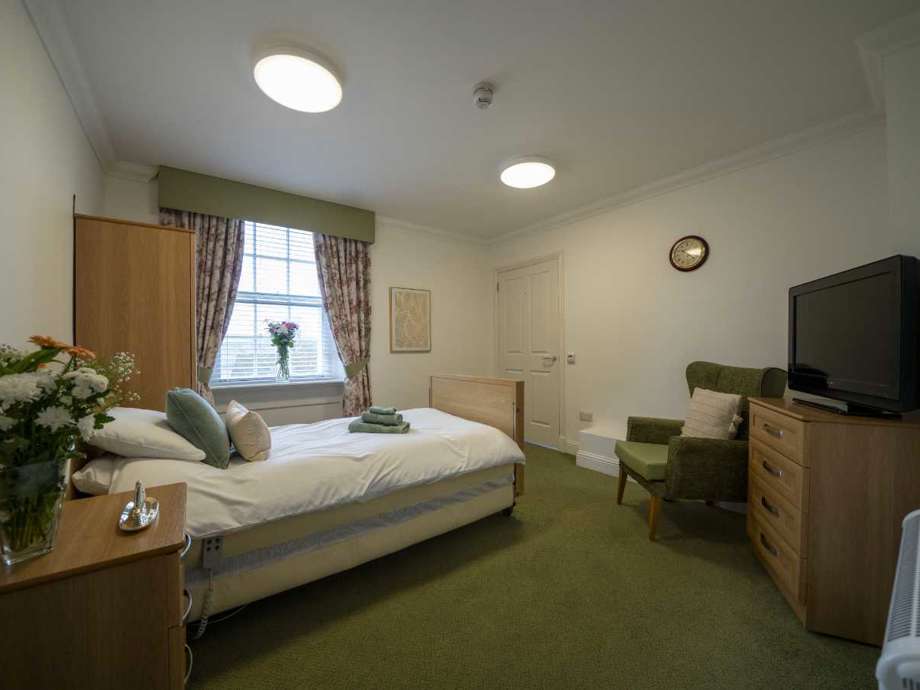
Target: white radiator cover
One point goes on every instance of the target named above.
(899, 666)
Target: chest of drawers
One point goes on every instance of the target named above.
(826, 496)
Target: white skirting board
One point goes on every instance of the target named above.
(595, 447)
(598, 463)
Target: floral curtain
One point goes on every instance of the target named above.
(220, 262)
(343, 266)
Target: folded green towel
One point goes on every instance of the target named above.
(385, 419)
(359, 427)
(374, 409)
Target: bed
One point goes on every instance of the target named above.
(327, 500)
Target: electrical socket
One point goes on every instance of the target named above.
(585, 416)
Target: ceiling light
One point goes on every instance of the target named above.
(526, 173)
(297, 80)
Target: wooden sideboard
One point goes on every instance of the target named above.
(105, 608)
(826, 495)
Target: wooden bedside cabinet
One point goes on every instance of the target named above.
(104, 609)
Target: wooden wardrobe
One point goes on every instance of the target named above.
(134, 291)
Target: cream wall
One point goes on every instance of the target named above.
(456, 271)
(902, 96)
(635, 322)
(47, 159)
(458, 274)
(130, 199)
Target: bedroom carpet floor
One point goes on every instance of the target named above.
(566, 593)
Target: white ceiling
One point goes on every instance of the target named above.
(619, 93)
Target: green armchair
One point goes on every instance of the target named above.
(672, 466)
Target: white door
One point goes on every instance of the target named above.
(529, 343)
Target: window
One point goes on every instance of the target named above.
(278, 283)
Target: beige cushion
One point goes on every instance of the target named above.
(712, 415)
(249, 432)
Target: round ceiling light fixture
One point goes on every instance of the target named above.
(527, 173)
(297, 80)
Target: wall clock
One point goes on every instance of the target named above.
(689, 253)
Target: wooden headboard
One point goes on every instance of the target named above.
(496, 402)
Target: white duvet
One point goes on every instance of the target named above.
(317, 466)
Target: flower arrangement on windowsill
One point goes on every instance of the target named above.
(51, 401)
(282, 335)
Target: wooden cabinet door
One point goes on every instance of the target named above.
(134, 291)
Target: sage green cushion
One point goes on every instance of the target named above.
(193, 418)
(647, 459)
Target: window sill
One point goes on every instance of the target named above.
(269, 385)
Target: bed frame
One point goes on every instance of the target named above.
(305, 552)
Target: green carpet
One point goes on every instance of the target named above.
(566, 593)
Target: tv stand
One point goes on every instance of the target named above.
(826, 496)
(851, 409)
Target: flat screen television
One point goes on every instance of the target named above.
(853, 337)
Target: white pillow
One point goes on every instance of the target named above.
(95, 477)
(712, 415)
(137, 433)
(249, 432)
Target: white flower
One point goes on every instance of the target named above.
(54, 418)
(46, 380)
(6, 423)
(17, 388)
(86, 426)
(9, 353)
(87, 382)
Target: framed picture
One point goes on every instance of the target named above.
(410, 320)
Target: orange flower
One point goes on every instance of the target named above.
(46, 342)
(81, 353)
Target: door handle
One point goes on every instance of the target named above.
(551, 360)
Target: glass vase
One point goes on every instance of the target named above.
(31, 497)
(283, 366)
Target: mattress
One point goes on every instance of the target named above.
(317, 467)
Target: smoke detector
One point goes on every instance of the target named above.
(482, 95)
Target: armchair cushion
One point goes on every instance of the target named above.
(743, 381)
(706, 468)
(652, 429)
(649, 460)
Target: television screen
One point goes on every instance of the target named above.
(853, 336)
(848, 335)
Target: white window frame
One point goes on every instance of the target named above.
(256, 298)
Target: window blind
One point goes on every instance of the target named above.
(278, 283)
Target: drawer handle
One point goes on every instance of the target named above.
(188, 606)
(772, 430)
(769, 506)
(771, 470)
(187, 547)
(768, 546)
(188, 666)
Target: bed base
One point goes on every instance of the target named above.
(314, 546)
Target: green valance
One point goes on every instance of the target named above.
(188, 191)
